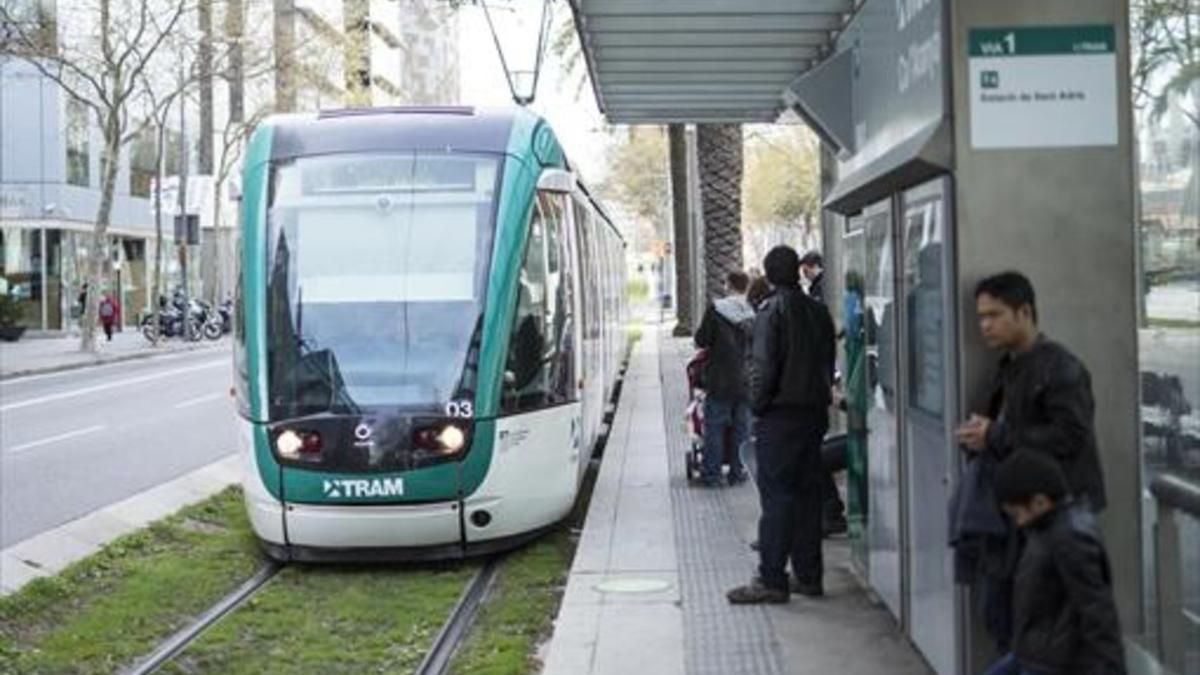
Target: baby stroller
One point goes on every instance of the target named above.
(694, 420)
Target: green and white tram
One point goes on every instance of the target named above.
(429, 328)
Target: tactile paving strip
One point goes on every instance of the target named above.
(719, 638)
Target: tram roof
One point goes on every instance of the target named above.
(697, 61)
(458, 128)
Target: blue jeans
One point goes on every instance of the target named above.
(791, 488)
(724, 420)
(1007, 665)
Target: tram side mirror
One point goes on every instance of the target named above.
(556, 180)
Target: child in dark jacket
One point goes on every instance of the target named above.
(1065, 619)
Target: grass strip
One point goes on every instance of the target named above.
(332, 619)
(519, 613)
(105, 611)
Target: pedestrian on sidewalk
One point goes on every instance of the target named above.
(108, 314)
(812, 268)
(790, 384)
(758, 291)
(726, 331)
(1065, 618)
(1041, 401)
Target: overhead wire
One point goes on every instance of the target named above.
(543, 32)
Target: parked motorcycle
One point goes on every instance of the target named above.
(171, 323)
(210, 320)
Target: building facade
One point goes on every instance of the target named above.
(50, 149)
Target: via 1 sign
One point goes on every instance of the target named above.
(1043, 87)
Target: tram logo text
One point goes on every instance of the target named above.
(378, 487)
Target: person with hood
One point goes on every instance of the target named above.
(791, 379)
(726, 331)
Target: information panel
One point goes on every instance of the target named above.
(1043, 87)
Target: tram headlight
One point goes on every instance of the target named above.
(299, 444)
(446, 439)
(289, 444)
(452, 439)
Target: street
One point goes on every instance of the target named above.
(73, 442)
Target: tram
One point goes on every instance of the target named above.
(428, 329)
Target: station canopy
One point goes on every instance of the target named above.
(698, 61)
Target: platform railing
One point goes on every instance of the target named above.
(1177, 498)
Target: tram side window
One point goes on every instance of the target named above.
(240, 364)
(591, 290)
(539, 350)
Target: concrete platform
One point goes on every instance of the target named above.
(646, 592)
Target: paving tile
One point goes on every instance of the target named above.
(645, 639)
(51, 551)
(98, 528)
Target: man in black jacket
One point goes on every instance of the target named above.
(1066, 621)
(812, 268)
(1042, 397)
(790, 379)
(725, 331)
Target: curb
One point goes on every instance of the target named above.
(103, 361)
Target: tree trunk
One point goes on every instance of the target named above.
(99, 250)
(205, 63)
(285, 55)
(234, 29)
(356, 15)
(719, 147)
(679, 217)
(157, 288)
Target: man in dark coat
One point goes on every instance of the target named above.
(725, 331)
(1042, 397)
(1065, 618)
(790, 384)
(812, 268)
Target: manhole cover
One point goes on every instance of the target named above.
(632, 585)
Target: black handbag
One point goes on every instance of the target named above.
(833, 453)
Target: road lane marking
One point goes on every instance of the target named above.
(54, 439)
(200, 399)
(111, 385)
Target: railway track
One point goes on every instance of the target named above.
(436, 662)
(174, 645)
(454, 631)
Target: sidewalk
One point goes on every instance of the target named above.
(646, 591)
(30, 356)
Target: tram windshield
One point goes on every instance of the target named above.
(377, 266)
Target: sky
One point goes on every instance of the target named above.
(576, 120)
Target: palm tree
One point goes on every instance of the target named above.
(719, 150)
(679, 217)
